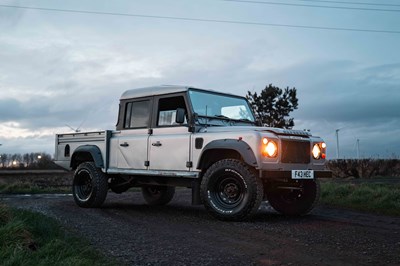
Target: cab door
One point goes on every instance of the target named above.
(133, 140)
(169, 143)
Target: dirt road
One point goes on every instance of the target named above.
(182, 234)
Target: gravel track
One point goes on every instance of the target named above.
(182, 234)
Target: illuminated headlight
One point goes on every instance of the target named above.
(319, 151)
(269, 148)
(316, 152)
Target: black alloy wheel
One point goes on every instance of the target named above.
(231, 191)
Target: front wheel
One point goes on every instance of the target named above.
(231, 191)
(90, 186)
(294, 199)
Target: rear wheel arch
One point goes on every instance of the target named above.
(87, 153)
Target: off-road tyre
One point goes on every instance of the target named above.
(90, 186)
(158, 195)
(294, 202)
(231, 191)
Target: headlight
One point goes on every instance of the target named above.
(269, 148)
(316, 152)
(319, 151)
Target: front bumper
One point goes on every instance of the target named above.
(287, 175)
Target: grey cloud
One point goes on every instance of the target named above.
(344, 96)
(10, 17)
(7, 107)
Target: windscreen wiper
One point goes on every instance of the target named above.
(245, 120)
(223, 117)
(235, 120)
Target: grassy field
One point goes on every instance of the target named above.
(374, 198)
(28, 238)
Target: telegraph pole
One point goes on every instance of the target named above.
(358, 148)
(337, 143)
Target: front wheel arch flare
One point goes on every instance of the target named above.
(238, 146)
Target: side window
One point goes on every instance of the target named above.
(137, 114)
(167, 110)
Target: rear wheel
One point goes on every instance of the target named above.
(158, 195)
(90, 186)
(294, 199)
(231, 191)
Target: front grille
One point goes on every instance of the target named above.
(294, 151)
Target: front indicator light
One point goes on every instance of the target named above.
(270, 148)
(316, 152)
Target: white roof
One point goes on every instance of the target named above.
(162, 90)
(152, 91)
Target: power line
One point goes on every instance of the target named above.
(201, 20)
(350, 3)
(313, 6)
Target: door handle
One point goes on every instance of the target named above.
(156, 144)
(124, 144)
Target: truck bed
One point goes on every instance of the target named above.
(67, 143)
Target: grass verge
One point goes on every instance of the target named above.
(28, 238)
(375, 198)
(28, 188)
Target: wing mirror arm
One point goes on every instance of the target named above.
(192, 122)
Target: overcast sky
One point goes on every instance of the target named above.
(64, 68)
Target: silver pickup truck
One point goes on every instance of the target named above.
(176, 136)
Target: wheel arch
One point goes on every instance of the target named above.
(87, 153)
(226, 148)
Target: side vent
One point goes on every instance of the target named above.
(198, 143)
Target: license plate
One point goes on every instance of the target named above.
(302, 174)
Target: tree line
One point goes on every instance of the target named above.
(364, 168)
(33, 160)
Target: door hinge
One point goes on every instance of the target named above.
(189, 164)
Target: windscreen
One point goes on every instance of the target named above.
(220, 106)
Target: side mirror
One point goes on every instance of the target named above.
(180, 116)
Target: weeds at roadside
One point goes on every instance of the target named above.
(28, 238)
(376, 198)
